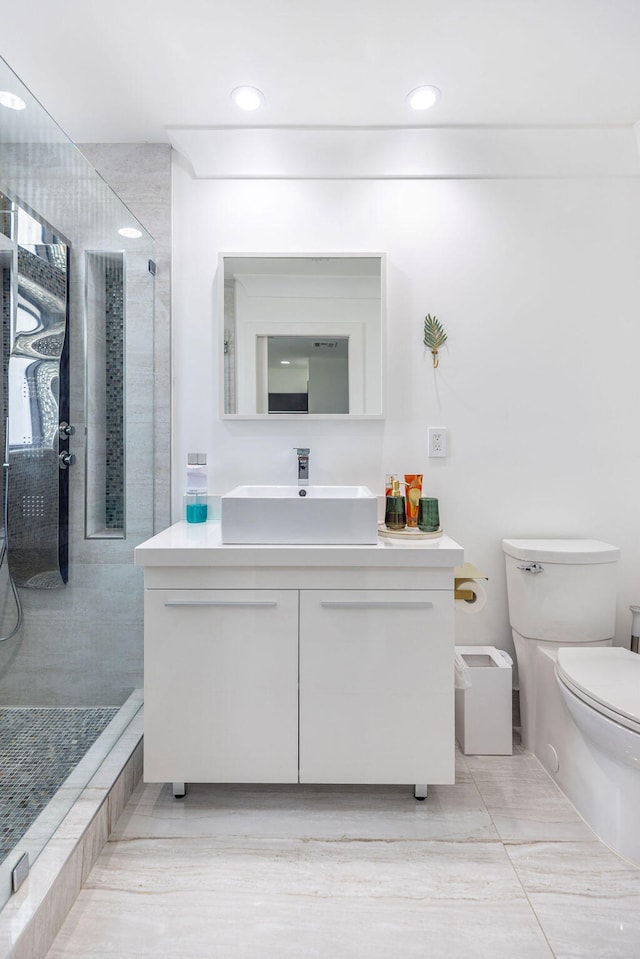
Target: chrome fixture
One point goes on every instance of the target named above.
(532, 568)
(65, 430)
(20, 871)
(66, 459)
(303, 465)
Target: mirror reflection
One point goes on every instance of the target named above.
(37, 400)
(302, 335)
(305, 374)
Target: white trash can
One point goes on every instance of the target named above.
(483, 700)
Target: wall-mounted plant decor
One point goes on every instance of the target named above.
(434, 336)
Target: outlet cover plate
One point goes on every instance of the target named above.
(437, 440)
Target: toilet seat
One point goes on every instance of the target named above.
(605, 678)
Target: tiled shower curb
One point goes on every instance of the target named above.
(33, 916)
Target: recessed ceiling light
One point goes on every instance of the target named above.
(11, 100)
(247, 98)
(423, 97)
(130, 232)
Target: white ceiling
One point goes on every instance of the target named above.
(125, 70)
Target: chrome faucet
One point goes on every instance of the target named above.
(303, 465)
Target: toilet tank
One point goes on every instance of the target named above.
(572, 599)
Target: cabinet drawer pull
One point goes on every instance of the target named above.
(219, 602)
(380, 604)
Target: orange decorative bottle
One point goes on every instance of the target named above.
(413, 492)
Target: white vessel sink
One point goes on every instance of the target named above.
(299, 515)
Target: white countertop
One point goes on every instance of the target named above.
(199, 544)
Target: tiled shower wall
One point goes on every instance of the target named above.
(82, 644)
(141, 176)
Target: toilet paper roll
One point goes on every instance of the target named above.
(479, 600)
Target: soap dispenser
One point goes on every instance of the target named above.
(394, 514)
(197, 507)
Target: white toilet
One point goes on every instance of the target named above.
(582, 707)
(561, 592)
(597, 751)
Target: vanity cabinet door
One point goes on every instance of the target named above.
(221, 686)
(376, 686)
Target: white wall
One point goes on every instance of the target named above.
(538, 285)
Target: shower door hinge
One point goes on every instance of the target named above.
(152, 267)
(20, 871)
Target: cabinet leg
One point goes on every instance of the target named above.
(420, 791)
(179, 790)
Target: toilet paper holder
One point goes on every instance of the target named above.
(461, 575)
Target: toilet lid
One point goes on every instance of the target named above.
(607, 678)
(575, 552)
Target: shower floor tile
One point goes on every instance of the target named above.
(39, 747)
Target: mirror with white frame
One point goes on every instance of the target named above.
(302, 334)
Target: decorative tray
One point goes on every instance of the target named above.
(409, 532)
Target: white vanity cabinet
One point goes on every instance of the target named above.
(221, 685)
(297, 664)
(376, 686)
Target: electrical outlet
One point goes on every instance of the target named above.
(437, 441)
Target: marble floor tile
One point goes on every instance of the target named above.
(586, 898)
(462, 773)
(454, 812)
(521, 766)
(497, 866)
(200, 928)
(532, 811)
(312, 898)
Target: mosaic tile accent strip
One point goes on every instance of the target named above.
(39, 747)
(114, 481)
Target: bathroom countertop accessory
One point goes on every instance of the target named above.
(409, 533)
(413, 492)
(428, 514)
(395, 517)
(196, 505)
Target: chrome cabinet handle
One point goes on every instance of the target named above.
(375, 605)
(218, 602)
(532, 568)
